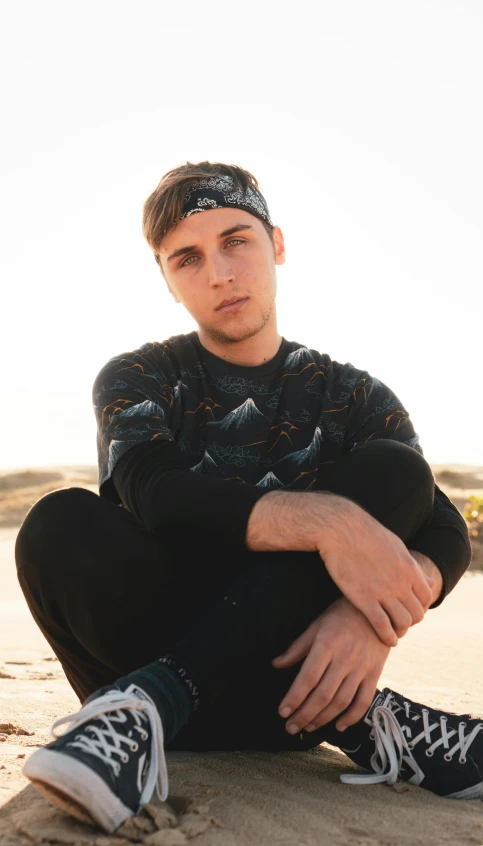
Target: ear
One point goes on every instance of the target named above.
(279, 245)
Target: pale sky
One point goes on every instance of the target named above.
(363, 122)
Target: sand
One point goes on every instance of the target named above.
(245, 797)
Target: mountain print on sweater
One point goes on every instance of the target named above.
(276, 425)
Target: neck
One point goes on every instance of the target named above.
(249, 352)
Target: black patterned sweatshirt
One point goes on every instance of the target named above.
(189, 442)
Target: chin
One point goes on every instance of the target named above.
(232, 335)
(239, 330)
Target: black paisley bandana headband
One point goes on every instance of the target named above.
(222, 192)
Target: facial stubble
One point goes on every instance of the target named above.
(240, 333)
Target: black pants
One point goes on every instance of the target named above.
(110, 596)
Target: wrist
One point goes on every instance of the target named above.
(429, 568)
(342, 517)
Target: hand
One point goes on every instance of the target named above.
(374, 570)
(344, 661)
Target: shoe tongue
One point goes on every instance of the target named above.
(132, 690)
(379, 699)
(138, 693)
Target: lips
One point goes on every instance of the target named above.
(234, 302)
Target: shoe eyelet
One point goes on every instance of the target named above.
(447, 757)
(372, 736)
(125, 758)
(429, 753)
(134, 747)
(118, 769)
(462, 725)
(144, 735)
(462, 760)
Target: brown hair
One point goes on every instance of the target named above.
(162, 209)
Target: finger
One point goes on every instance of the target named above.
(339, 703)
(306, 680)
(319, 699)
(380, 622)
(359, 707)
(298, 649)
(399, 615)
(415, 608)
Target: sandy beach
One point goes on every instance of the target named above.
(238, 798)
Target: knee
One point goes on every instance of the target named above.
(381, 474)
(392, 481)
(396, 460)
(51, 521)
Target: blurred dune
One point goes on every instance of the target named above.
(20, 489)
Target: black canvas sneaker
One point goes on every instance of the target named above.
(105, 767)
(437, 750)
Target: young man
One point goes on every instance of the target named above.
(267, 528)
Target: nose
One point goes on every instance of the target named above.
(219, 270)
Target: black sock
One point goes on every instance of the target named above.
(172, 688)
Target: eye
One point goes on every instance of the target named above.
(186, 262)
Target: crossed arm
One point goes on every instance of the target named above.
(386, 589)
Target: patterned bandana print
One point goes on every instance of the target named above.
(222, 192)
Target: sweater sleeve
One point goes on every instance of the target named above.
(376, 412)
(154, 483)
(142, 466)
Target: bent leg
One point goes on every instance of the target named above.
(108, 595)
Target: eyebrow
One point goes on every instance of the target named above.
(237, 228)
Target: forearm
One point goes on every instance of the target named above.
(165, 496)
(170, 500)
(296, 521)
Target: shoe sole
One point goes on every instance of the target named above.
(473, 792)
(76, 789)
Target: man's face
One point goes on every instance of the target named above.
(218, 255)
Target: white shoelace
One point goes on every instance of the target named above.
(107, 741)
(393, 751)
